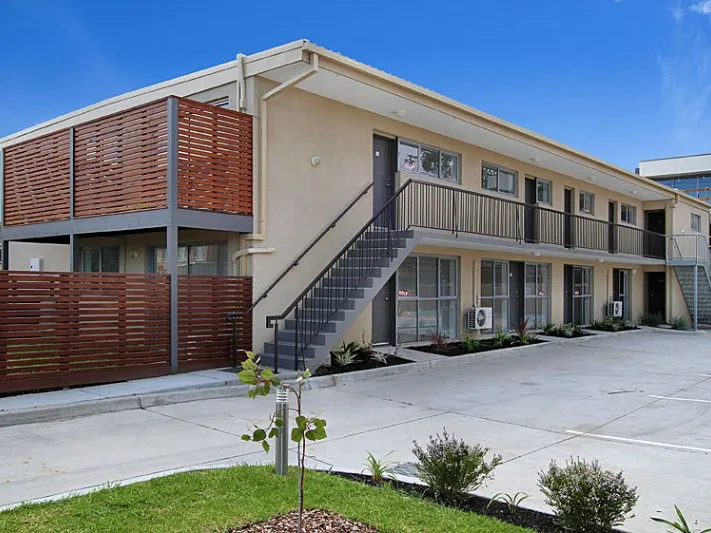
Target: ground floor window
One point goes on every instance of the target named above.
(427, 298)
(621, 291)
(208, 259)
(100, 259)
(537, 294)
(495, 292)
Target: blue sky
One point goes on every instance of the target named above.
(621, 79)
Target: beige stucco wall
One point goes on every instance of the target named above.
(303, 199)
(55, 257)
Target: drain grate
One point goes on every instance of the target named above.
(405, 469)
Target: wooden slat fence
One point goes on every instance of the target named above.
(214, 159)
(36, 180)
(205, 334)
(120, 162)
(72, 328)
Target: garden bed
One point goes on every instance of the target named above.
(361, 364)
(452, 349)
(527, 518)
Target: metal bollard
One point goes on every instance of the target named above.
(281, 447)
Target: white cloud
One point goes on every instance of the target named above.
(703, 7)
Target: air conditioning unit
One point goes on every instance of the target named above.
(614, 309)
(479, 318)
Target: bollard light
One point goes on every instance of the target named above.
(281, 448)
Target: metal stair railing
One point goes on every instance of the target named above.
(691, 249)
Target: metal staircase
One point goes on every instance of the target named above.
(689, 256)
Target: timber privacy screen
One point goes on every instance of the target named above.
(119, 164)
(62, 329)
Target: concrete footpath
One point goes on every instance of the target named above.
(637, 402)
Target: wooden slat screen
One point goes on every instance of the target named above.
(120, 162)
(75, 328)
(36, 180)
(214, 159)
(205, 334)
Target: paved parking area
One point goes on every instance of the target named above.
(637, 402)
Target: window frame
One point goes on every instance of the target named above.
(153, 260)
(550, 191)
(628, 208)
(583, 210)
(499, 168)
(419, 145)
(544, 300)
(101, 249)
(695, 217)
(439, 298)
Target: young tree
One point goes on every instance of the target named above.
(262, 381)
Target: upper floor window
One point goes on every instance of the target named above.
(499, 179)
(586, 203)
(428, 161)
(628, 214)
(695, 223)
(544, 191)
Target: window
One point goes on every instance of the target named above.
(582, 295)
(538, 294)
(100, 259)
(210, 259)
(428, 161)
(495, 292)
(695, 223)
(427, 298)
(224, 101)
(629, 214)
(495, 178)
(586, 203)
(544, 191)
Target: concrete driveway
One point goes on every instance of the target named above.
(638, 402)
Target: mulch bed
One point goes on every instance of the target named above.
(528, 518)
(392, 360)
(316, 520)
(451, 349)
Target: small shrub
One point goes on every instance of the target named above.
(609, 324)
(379, 357)
(680, 323)
(569, 331)
(682, 525)
(651, 319)
(378, 469)
(501, 340)
(439, 341)
(471, 344)
(347, 355)
(512, 502)
(549, 329)
(522, 334)
(585, 497)
(452, 467)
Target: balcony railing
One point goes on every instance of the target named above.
(121, 164)
(441, 207)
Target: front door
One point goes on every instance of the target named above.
(655, 223)
(621, 290)
(612, 231)
(384, 161)
(568, 228)
(530, 213)
(656, 292)
(516, 301)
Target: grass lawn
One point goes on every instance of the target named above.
(210, 501)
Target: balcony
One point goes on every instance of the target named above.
(440, 207)
(173, 153)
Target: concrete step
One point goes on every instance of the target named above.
(326, 303)
(290, 335)
(288, 348)
(329, 327)
(286, 362)
(339, 282)
(326, 292)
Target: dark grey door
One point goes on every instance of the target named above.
(656, 292)
(567, 294)
(384, 164)
(612, 231)
(654, 243)
(516, 278)
(530, 216)
(568, 227)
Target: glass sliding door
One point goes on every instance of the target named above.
(538, 294)
(495, 292)
(582, 295)
(427, 298)
(621, 290)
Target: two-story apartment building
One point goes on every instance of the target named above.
(361, 205)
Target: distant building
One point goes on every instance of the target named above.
(690, 174)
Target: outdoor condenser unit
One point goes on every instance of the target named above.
(614, 309)
(479, 318)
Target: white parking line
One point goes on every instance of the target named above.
(636, 441)
(679, 399)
